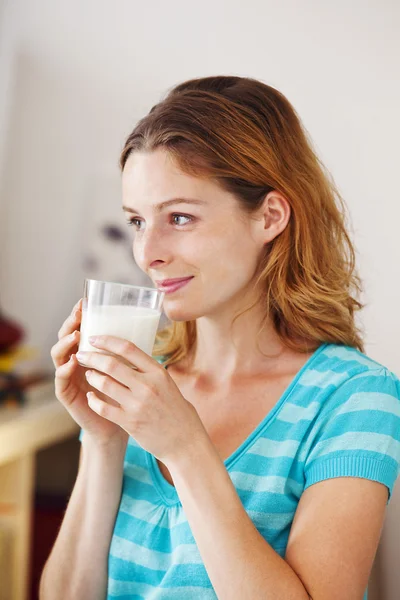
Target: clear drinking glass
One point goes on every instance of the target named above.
(118, 309)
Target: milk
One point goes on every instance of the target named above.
(134, 323)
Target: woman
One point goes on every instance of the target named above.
(255, 457)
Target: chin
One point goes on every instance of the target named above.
(180, 313)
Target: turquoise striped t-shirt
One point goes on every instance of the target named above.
(339, 417)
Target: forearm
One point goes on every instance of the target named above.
(238, 560)
(77, 566)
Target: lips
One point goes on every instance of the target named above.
(168, 282)
(170, 285)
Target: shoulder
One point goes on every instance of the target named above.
(346, 359)
(338, 372)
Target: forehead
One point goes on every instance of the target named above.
(154, 177)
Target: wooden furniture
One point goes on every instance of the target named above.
(43, 421)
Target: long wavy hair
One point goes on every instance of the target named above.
(247, 137)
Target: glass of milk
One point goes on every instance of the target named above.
(121, 310)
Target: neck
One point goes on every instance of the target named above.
(223, 353)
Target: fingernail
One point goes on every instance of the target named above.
(92, 339)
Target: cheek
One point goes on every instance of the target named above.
(230, 254)
(227, 266)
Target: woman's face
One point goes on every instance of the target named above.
(211, 241)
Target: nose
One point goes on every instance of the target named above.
(150, 249)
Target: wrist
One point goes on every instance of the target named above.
(112, 447)
(197, 448)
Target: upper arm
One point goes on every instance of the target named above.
(334, 536)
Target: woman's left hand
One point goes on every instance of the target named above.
(151, 408)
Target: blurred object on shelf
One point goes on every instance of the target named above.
(13, 388)
(10, 333)
(17, 364)
(10, 359)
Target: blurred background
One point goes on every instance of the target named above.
(75, 77)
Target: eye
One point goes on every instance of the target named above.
(135, 221)
(178, 216)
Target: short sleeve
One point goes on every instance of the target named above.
(359, 433)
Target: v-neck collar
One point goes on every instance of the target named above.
(168, 492)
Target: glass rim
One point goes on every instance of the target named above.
(129, 285)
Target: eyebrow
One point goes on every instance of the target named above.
(159, 207)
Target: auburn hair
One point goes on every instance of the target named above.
(246, 136)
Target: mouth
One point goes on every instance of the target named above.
(172, 285)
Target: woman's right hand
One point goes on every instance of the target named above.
(71, 385)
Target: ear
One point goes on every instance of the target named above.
(273, 216)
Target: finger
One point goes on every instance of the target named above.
(61, 351)
(128, 351)
(111, 413)
(63, 377)
(109, 387)
(110, 365)
(77, 305)
(64, 372)
(71, 323)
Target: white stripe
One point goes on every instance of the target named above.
(270, 520)
(322, 379)
(292, 413)
(123, 588)
(153, 559)
(274, 449)
(161, 515)
(265, 483)
(137, 473)
(361, 440)
(351, 354)
(371, 401)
